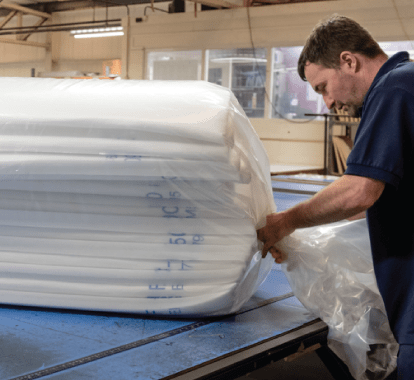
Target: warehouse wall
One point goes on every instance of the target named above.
(291, 143)
(18, 60)
(272, 26)
(278, 25)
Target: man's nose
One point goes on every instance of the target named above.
(328, 101)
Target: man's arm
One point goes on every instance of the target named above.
(342, 199)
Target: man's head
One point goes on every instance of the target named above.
(340, 59)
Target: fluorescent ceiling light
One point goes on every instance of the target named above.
(238, 59)
(98, 32)
(103, 34)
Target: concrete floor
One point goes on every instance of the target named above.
(308, 367)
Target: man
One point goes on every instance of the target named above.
(343, 63)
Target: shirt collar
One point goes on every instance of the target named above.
(389, 65)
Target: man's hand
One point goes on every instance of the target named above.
(342, 199)
(277, 254)
(277, 227)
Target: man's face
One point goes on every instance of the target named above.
(338, 87)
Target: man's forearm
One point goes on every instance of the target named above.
(344, 198)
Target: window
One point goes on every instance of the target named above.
(174, 65)
(292, 98)
(244, 72)
(393, 47)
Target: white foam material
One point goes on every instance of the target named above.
(129, 196)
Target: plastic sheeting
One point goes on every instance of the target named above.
(330, 271)
(130, 196)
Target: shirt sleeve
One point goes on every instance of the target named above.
(383, 139)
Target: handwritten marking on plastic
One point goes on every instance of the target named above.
(163, 287)
(174, 212)
(171, 195)
(125, 157)
(175, 265)
(170, 212)
(132, 157)
(156, 287)
(154, 195)
(198, 239)
(180, 240)
(183, 238)
(163, 297)
(174, 311)
(190, 212)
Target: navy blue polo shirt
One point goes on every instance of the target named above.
(384, 150)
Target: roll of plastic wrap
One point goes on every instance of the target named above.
(130, 196)
(331, 272)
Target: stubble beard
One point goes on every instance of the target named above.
(353, 110)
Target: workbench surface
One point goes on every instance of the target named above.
(61, 344)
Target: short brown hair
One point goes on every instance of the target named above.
(331, 37)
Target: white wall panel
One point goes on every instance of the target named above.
(291, 143)
(21, 69)
(277, 25)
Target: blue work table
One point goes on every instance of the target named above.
(62, 344)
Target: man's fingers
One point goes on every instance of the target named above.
(264, 251)
(278, 255)
(274, 252)
(260, 234)
(266, 248)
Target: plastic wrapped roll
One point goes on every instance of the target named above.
(130, 196)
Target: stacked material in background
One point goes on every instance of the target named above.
(342, 146)
(130, 196)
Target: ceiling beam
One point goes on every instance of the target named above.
(39, 23)
(25, 10)
(7, 18)
(62, 6)
(21, 39)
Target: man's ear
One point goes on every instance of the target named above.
(349, 61)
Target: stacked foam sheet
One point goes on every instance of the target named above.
(129, 196)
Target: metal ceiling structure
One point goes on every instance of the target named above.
(50, 6)
(43, 10)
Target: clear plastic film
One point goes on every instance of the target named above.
(130, 196)
(331, 272)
